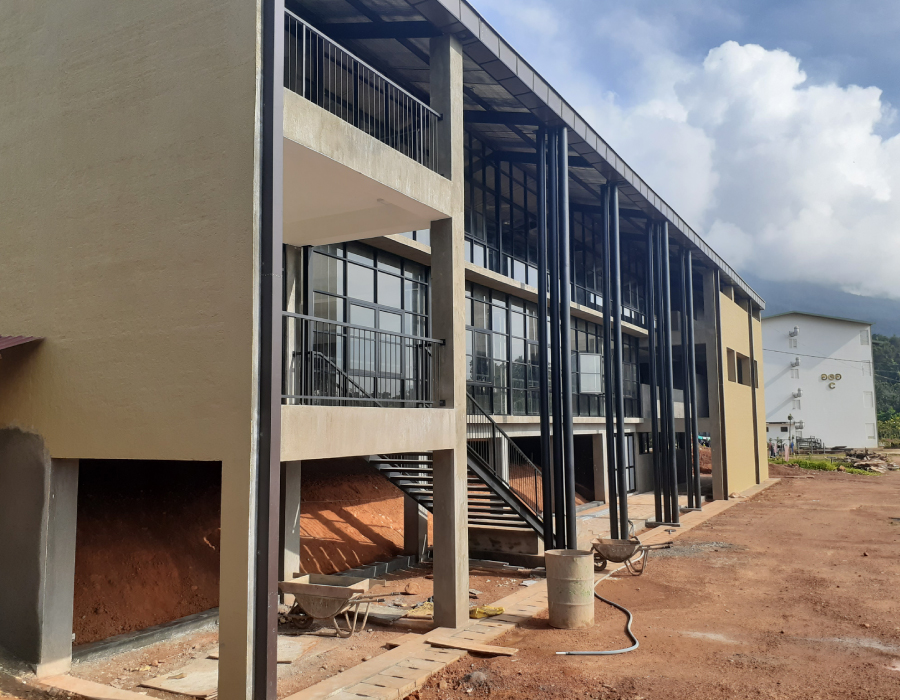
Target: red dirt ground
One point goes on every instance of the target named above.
(147, 545)
(790, 595)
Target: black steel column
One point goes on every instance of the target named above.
(565, 332)
(687, 400)
(556, 388)
(663, 444)
(672, 467)
(618, 359)
(268, 457)
(612, 499)
(721, 365)
(543, 343)
(650, 296)
(692, 365)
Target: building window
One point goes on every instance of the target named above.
(864, 337)
(795, 373)
(645, 443)
(870, 431)
(792, 342)
(423, 236)
(732, 365)
(796, 404)
(784, 429)
(869, 399)
(867, 369)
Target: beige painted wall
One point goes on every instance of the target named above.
(738, 401)
(760, 400)
(128, 209)
(320, 432)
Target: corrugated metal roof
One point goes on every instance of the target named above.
(497, 78)
(8, 341)
(830, 318)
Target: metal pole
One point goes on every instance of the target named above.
(619, 359)
(721, 365)
(565, 332)
(687, 400)
(663, 396)
(612, 499)
(692, 365)
(543, 342)
(671, 467)
(556, 389)
(268, 438)
(651, 351)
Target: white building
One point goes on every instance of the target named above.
(819, 380)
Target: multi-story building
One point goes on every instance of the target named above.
(820, 384)
(242, 237)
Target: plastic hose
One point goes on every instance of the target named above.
(627, 631)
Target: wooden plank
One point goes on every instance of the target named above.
(467, 645)
(289, 648)
(199, 678)
(367, 690)
(89, 689)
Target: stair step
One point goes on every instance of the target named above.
(382, 460)
(393, 468)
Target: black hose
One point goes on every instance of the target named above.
(627, 631)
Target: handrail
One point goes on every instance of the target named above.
(318, 319)
(362, 62)
(532, 500)
(343, 374)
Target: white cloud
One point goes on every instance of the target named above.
(784, 178)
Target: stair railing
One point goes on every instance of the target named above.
(493, 447)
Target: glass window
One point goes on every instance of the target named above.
(362, 316)
(389, 290)
(360, 283)
(327, 274)
(325, 306)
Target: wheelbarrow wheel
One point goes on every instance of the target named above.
(599, 564)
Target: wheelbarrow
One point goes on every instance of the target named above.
(322, 598)
(630, 552)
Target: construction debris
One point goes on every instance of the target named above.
(871, 461)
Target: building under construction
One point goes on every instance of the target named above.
(248, 244)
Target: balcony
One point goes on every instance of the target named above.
(331, 363)
(320, 70)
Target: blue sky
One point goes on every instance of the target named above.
(770, 126)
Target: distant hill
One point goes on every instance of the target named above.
(788, 295)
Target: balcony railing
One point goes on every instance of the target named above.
(330, 363)
(317, 68)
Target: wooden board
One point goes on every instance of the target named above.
(199, 678)
(469, 645)
(89, 689)
(289, 648)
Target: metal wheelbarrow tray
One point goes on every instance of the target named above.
(322, 597)
(629, 552)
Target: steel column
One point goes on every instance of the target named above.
(619, 359)
(543, 343)
(565, 331)
(268, 438)
(650, 295)
(663, 445)
(685, 381)
(556, 388)
(612, 499)
(721, 363)
(692, 366)
(672, 466)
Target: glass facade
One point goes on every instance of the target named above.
(502, 369)
(501, 233)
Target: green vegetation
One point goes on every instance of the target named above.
(886, 361)
(822, 465)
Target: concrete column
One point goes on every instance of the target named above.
(451, 541)
(38, 509)
(601, 478)
(415, 527)
(501, 453)
(706, 330)
(289, 549)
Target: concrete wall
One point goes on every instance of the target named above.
(739, 418)
(127, 239)
(838, 411)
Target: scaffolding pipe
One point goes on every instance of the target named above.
(565, 332)
(556, 387)
(543, 344)
(612, 490)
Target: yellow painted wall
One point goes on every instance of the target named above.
(760, 401)
(740, 454)
(128, 210)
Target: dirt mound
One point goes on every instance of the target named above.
(147, 544)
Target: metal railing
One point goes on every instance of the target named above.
(495, 449)
(330, 363)
(319, 69)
